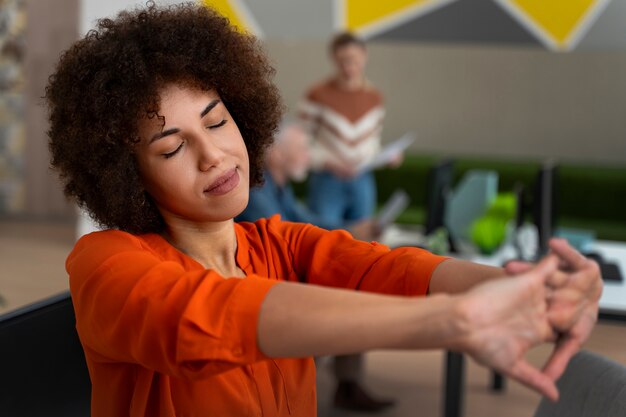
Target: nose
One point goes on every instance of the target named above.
(209, 154)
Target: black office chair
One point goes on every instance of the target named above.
(42, 365)
(439, 184)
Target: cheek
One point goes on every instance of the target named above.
(243, 155)
(146, 174)
(163, 178)
(155, 183)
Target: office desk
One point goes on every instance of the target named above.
(613, 300)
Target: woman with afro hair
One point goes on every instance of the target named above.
(159, 119)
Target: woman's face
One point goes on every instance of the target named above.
(195, 166)
(350, 61)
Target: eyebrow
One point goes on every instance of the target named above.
(172, 131)
(164, 133)
(209, 107)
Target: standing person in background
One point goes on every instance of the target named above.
(289, 160)
(344, 115)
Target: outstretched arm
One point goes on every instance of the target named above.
(496, 323)
(456, 276)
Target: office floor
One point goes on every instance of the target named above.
(32, 257)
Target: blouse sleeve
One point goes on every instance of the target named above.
(132, 306)
(335, 259)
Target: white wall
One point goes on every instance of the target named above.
(51, 28)
(92, 10)
(484, 100)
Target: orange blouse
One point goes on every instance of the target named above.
(165, 337)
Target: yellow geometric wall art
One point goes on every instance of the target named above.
(237, 12)
(368, 18)
(559, 24)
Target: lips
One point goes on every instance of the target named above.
(224, 183)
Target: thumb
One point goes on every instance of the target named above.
(533, 378)
(517, 267)
(563, 351)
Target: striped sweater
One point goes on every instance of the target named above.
(345, 125)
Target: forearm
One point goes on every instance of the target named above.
(495, 322)
(305, 320)
(456, 276)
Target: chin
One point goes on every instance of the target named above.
(221, 213)
(240, 206)
(299, 176)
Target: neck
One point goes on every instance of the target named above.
(351, 84)
(213, 245)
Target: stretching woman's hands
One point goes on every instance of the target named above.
(556, 300)
(507, 317)
(573, 302)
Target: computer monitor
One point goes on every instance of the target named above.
(545, 204)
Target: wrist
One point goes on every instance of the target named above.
(471, 319)
(461, 324)
(446, 325)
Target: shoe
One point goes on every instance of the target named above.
(351, 396)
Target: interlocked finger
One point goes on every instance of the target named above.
(532, 377)
(571, 258)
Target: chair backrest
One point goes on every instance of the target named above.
(42, 365)
(592, 386)
(440, 179)
(545, 200)
(469, 200)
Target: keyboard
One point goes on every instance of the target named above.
(609, 271)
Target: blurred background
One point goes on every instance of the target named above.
(486, 82)
(481, 77)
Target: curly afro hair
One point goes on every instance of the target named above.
(110, 79)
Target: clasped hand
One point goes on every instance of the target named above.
(554, 301)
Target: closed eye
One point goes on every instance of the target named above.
(174, 152)
(220, 124)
